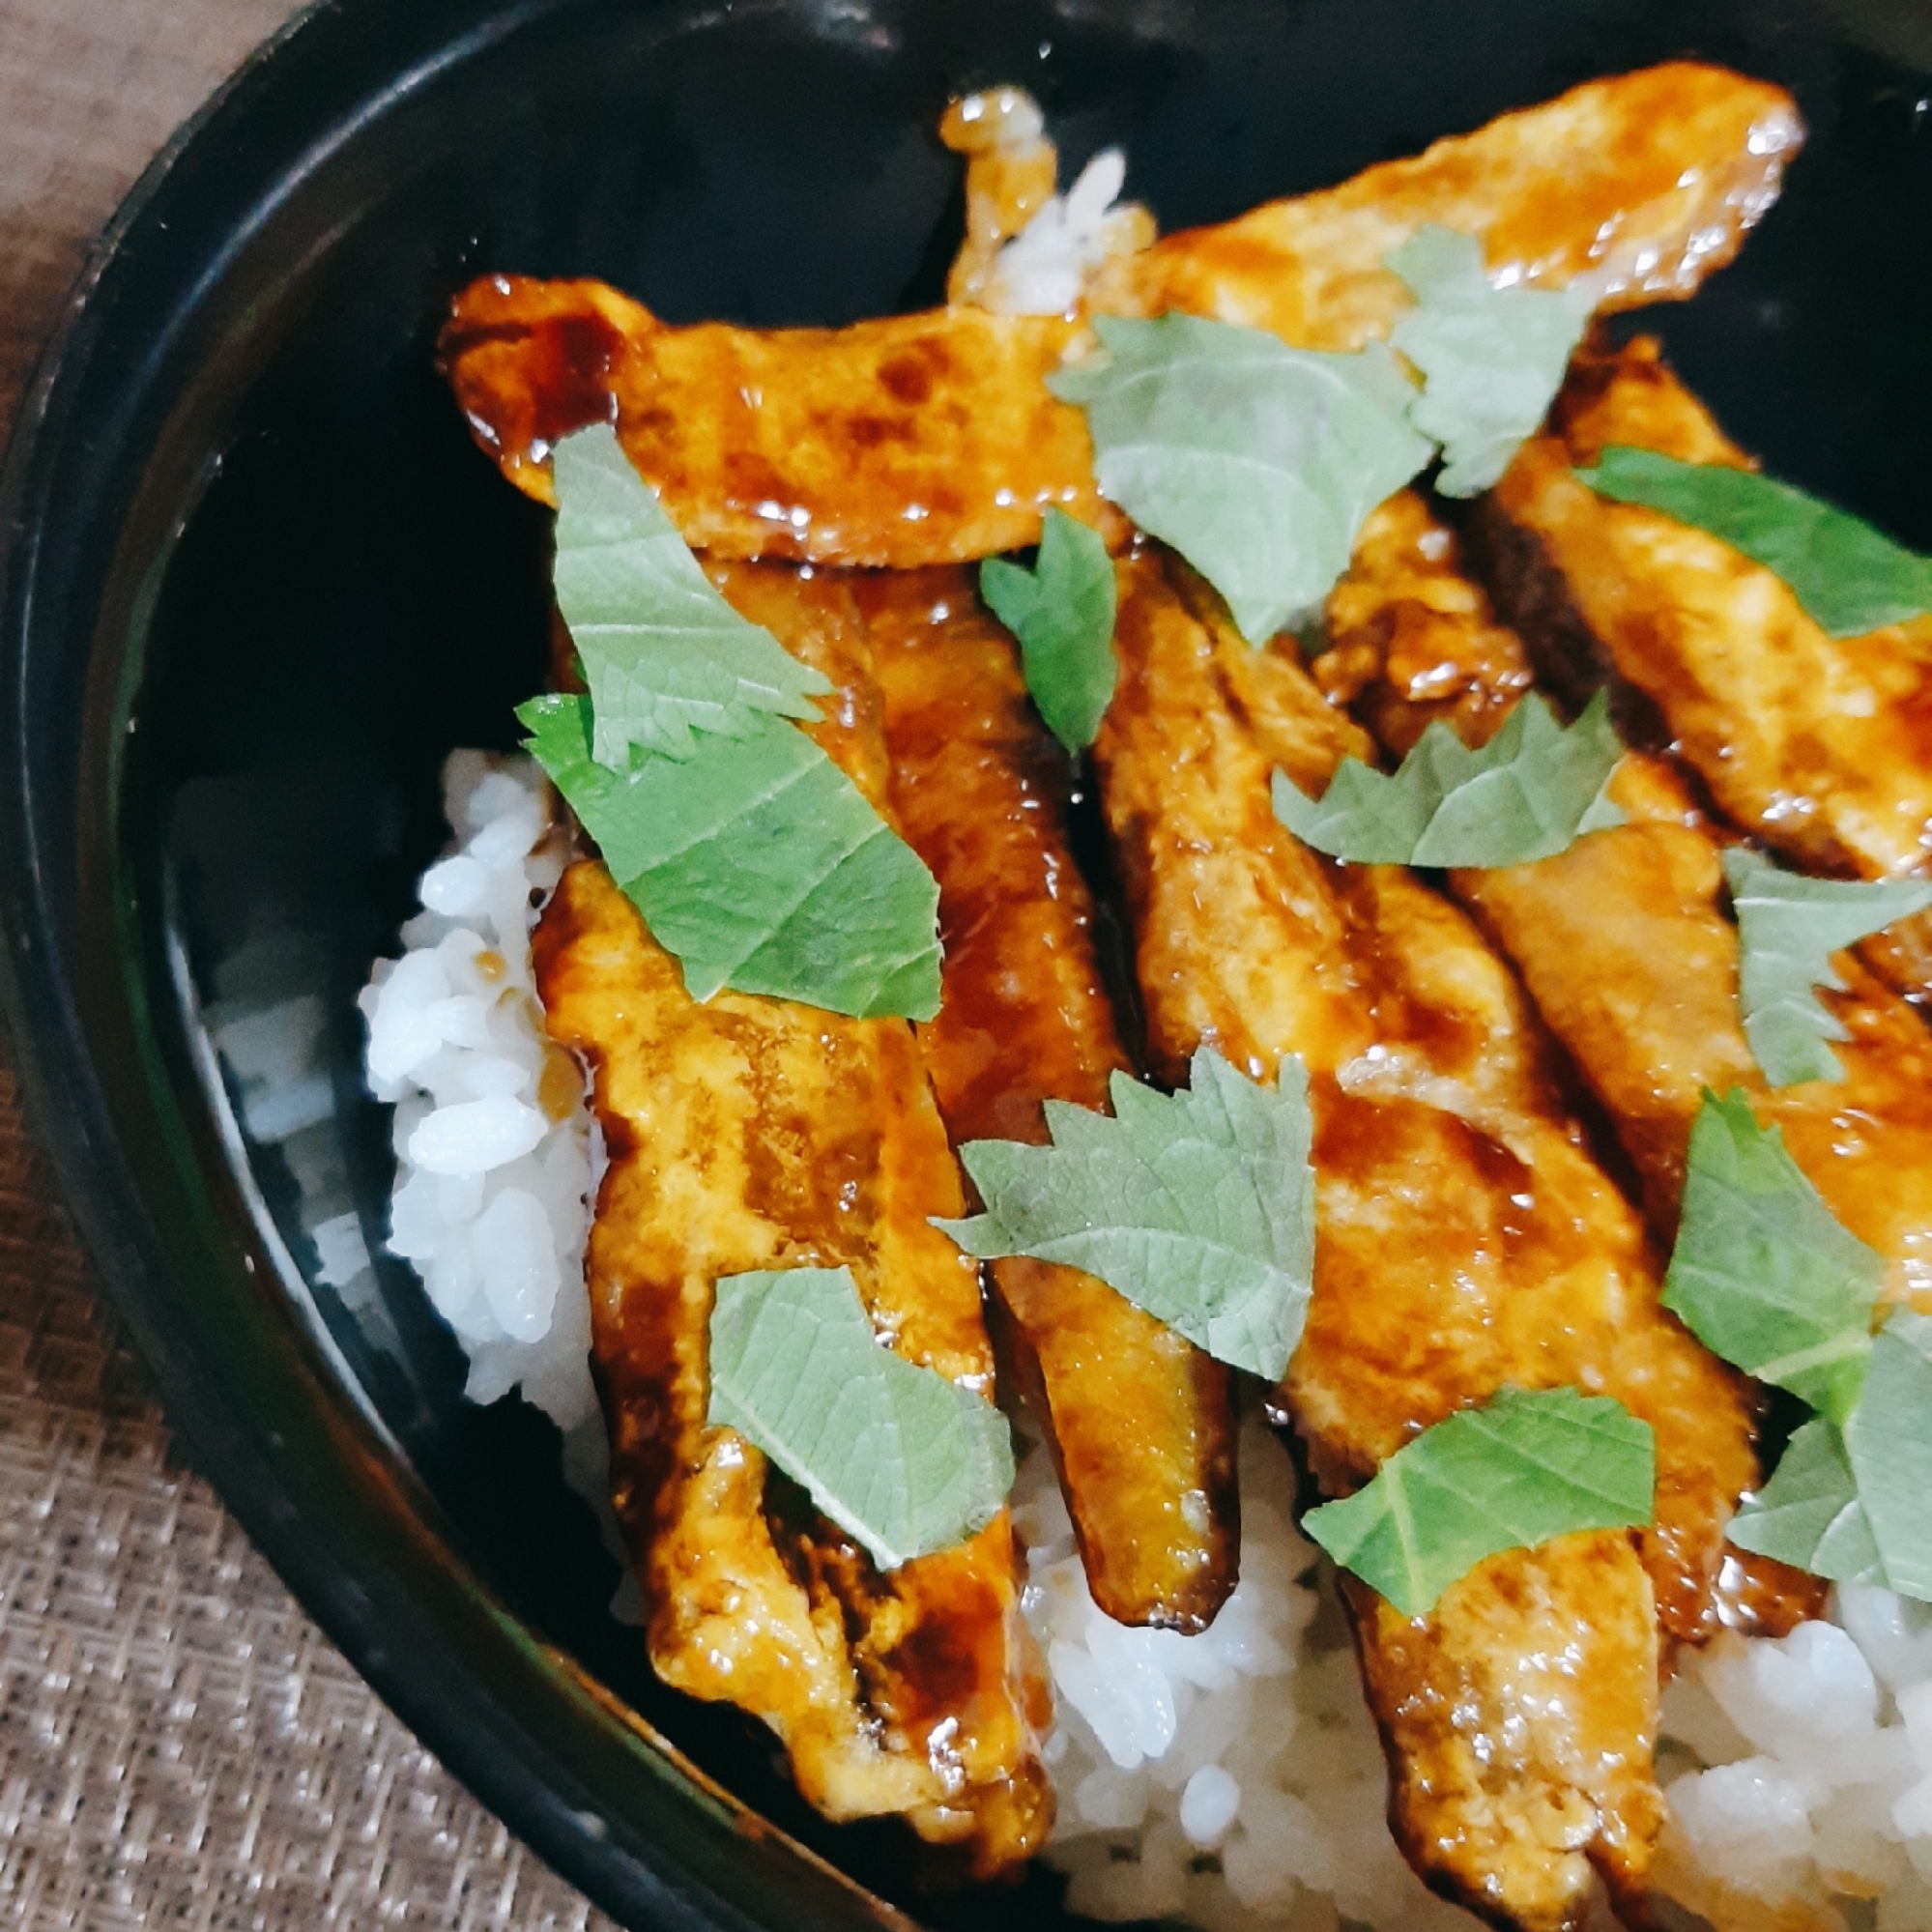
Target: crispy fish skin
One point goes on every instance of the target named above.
(910, 440)
(1642, 184)
(931, 439)
(1141, 1422)
(1820, 746)
(1464, 1240)
(750, 1132)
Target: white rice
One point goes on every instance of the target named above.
(497, 1154)
(1043, 269)
(1799, 1772)
(1232, 1780)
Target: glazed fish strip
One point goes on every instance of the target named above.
(1820, 746)
(1140, 1421)
(1623, 946)
(911, 440)
(750, 1132)
(930, 439)
(1623, 950)
(1464, 1240)
(1642, 184)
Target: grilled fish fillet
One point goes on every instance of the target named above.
(1641, 185)
(1820, 746)
(1623, 950)
(929, 439)
(750, 1132)
(910, 440)
(1140, 1421)
(1465, 1240)
(1624, 947)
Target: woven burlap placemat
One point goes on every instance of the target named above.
(178, 1744)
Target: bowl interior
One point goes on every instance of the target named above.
(271, 583)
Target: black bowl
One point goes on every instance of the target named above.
(257, 582)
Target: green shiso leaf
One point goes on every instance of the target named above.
(1255, 461)
(757, 862)
(1854, 1505)
(1491, 358)
(663, 653)
(1788, 928)
(752, 856)
(1849, 577)
(1528, 793)
(1510, 1475)
(1763, 1273)
(1062, 613)
(1197, 1207)
(902, 1459)
(1808, 1515)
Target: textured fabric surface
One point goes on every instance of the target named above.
(178, 1744)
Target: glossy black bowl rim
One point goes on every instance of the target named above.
(349, 1534)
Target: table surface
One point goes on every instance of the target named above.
(179, 1744)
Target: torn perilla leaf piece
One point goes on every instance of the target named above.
(902, 1459)
(757, 863)
(1788, 928)
(1763, 1273)
(1850, 578)
(1062, 613)
(1854, 1504)
(1255, 461)
(1491, 359)
(754, 858)
(1523, 1468)
(1529, 793)
(1197, 1207)
(664, 655)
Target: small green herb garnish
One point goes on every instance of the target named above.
(1854, 1505)
(1510, 1475)
(1491, 358)
(1788, 928)
(1062, 613)
(1808, 1515)
(757, 862)
(752, 856)
(1763, 1273)
(664, 655)
(1766, 1277)
(1528, 793)
(1850, 578)
(1197, 1207)
(902, 1459)
(1255, 461)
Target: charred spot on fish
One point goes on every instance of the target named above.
(569, 380)
(938, 1655)
(913, 375)
(751, 479)
(657, 425)
(868, 432)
